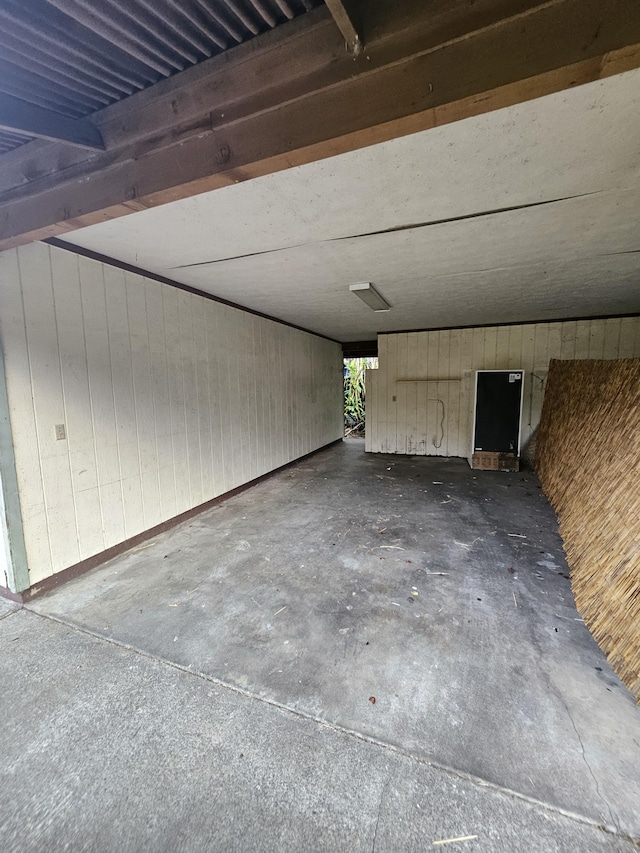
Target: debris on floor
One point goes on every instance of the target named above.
(480, 664)
(454, 840)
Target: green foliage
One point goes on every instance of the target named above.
(354, 391)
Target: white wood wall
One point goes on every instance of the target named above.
(419, 400)
(4, 572)
(168, 399)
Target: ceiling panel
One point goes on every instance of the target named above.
(513, 215)
(441, 275)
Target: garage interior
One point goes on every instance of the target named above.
(211, 600)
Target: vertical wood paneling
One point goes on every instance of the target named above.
(372, 393)
(204, 399)
(464, 408)
(18, 381)
(143, 399)
(270, 353)
(391, 441)
(411, 392)
(215, 415)
(629, 333)
(442, 393)
(293, 375)
(421, 392)
(527, 361)
(411, 424)
(596, 339)
(168, 400)
(190, 396)
(246, 395)
(537, 377)
(49, 408)
(78, 417)
(453, 414)
(568, 340)
(477, 358)
(490, 347)
(515, 347)
(387, 422)
(176, 399)
(528, 347)
(401, 394)
(433, 408)
(439, 437)
(96, 335)
(124, 399)
(583, 329)
(611, 337)
(378, 403)
(160, 397)
(554, 348)
(276, 401)
(256, 378)
(502, 345)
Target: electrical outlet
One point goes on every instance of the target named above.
(61, 432)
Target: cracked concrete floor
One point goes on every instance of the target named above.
(439, 591)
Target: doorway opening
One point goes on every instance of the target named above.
(354, 372)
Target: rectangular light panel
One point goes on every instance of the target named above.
(370, 296)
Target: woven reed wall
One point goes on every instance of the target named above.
(588, 460)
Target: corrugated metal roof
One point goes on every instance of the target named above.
(11, 140)
(77, 56)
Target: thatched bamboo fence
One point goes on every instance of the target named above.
(588, 460)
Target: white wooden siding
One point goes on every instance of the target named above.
(415, 369)
(168, 399)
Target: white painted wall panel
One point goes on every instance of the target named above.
(4, 571)
(168, 400)
(28, 465)
(419, 373)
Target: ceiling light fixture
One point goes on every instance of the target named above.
(370, 296)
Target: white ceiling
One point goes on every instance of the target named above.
(289, 244)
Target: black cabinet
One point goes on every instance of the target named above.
(498, 407)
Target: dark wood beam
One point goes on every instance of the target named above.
(295, 95)
(346, 16)
(360, 349)
(20, 116)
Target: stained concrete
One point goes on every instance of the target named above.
(301, 593)
(106, 749)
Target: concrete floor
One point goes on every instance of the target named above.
(213, 689)
(7, 607)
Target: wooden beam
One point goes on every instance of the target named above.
(297, 96)
(20, 116)
(345, 15)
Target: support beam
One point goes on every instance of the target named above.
(20, 116)
(296, 96)
(346, 16)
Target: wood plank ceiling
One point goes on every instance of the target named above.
(139, 103)
(74, 57)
